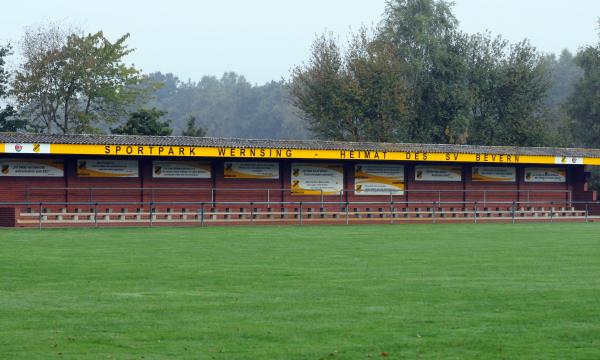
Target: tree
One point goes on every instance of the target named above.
(71, 83)
(419, 79)
(358, 96)
(425, 34)
(145, 122)
(584, 104)
(509, 90)
(229, 106)
(191, 128)
(8, 120)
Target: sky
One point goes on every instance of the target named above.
(264, 39)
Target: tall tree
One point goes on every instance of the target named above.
(361, 95)
(584, 104)
(425, 33)
(509, 86)
(145, 122)
(419, 79)
(70, 82)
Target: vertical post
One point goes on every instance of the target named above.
(269, 198)
(300, 212)
(251, 212)
(484, 198)
(95, 214)
(392, 215)
(475, 211)
(570, 198)
(202, 214)
(212, 196)
(551, 210)
(347, 215)
(151, 212)
(40, 216)
(513, 212)
(586, 212)
(433, 213)
(321, 197)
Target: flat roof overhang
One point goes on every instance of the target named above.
(189, 147)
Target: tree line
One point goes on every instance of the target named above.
(415, 77)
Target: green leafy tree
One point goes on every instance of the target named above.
(419, 79)
(192, 129)
(584, 104)
(145, 122)
(71, 83)
(509, 86)
(360, 95)
(425, 33)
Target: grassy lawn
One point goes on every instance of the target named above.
(499, 291)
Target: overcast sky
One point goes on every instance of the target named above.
(263, 39)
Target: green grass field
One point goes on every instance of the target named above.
(527, 291)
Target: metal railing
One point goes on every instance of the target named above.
(211, 194)
(294, 212)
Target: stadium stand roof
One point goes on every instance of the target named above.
(140, 140)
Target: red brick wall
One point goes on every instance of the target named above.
(104, 189)
(129, 189)
(170, 189)
(428, 192)
(7, 217)
(505, 192)
(544, 192)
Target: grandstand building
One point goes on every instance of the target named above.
(80, 180)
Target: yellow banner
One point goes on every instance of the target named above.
(272, 153)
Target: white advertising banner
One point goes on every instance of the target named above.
(27, 148)
(493, 173)
(35, 168)
(438, 173)
(107, 168)
(548, 175)
(317, 179)
(251, 170)
(374, 179)
(181, 169)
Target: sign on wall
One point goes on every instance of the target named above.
(107, 168)
(438, 173)
(181, 169)
(493, 173)
(374, 179)
(35, 168)
(251, 170)
(317, 179)
(548, 175)
(27, 148)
